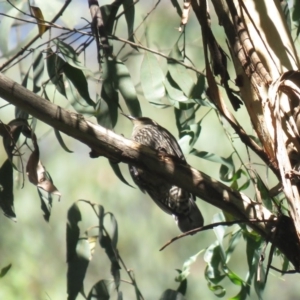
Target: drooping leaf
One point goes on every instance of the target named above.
(37, 173)
(78, 79)
(173, 90)
(102, 113)
(55, 69)
(40, 19)
(61, 141)
(177, 6)
(46, 203)
(124, 84)
(199, 88)
(6, 25)
(77, 268)
(129, 12)
(117, 171)
(227, 166)
(179, 72)
(171, 295)
(6, 190)
(109, 93)
(105, 242)
(109, 13)
(100, 291)
(114, 230)
(78, 253)
(183, 274)
(38, 70)
(4, 270)
(152, 78)
(69, 55)
(73, 231)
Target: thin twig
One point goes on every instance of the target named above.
(211, 226)
(36, 37)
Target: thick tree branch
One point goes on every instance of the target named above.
(106, 143)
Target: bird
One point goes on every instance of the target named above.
(170, 198)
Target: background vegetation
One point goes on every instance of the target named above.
(37, 249)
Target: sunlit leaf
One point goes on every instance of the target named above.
(173, 90)
(152, 78)
(124, 84)
(179, 72)
(227, 166)
(40, 19)
(218, 290)
(6, 25)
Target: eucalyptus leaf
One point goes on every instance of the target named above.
(152, 78)
(6, 191)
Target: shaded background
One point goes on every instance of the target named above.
(37, 250)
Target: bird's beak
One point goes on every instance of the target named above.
(129, 117)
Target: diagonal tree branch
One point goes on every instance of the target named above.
(106, 143)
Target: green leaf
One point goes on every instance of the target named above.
(78, 79)
(186, 267)
(264, 192)
(124, 84)
(129, 12)
(199, 88)
(61, 141)
(233, 242)
(6, 25)
(46, 202)
(54, 67)
(78, 253)
(178, 7)
(179, 72)
(69, 55)
(77, 268)
(73, 231)
(100, 291)
(227, 166)
(114, 229)
(213, 271)
(173, 90)
(6, 190)
(218, 290)
(109, 94)
(171, 295)
(4, 270)
(109, 13)
(38, 70)
(106, 243)
(117, 171)
(152, 78)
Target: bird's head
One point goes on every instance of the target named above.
(141, 121)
